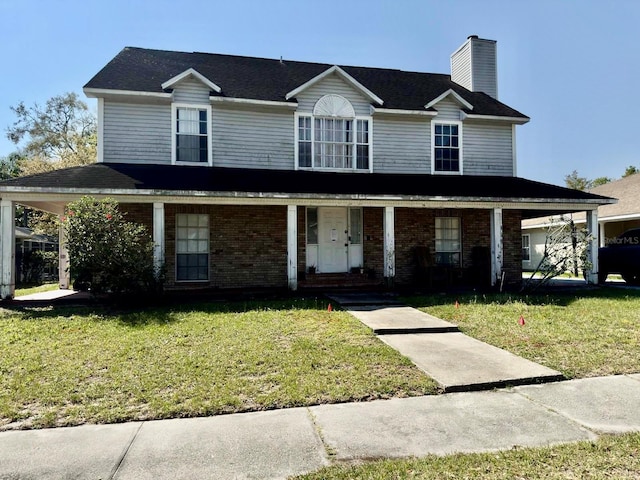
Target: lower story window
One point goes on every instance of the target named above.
(526, 248)
(448, 241)
(192, 247)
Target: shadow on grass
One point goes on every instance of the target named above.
(160, 310)
(559, 297)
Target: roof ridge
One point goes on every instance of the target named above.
(285, 60)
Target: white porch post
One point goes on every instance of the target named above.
(389, 245)
(64, 275)
(8, 249)
(292, 246)
(602, 239)
(592, 247)
(496, 246)
(158, 236)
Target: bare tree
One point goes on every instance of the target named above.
(565, 250)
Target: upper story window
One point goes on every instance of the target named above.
(446, 147)
(333, 137)
(191, 134)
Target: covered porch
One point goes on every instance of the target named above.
(237, 228)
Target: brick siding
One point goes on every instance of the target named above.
(248, 244)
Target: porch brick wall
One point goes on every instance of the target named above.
(416, 227)
(512, 241)
(139, 213)
(373, 240)
(247, 244)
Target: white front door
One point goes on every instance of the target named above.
(332, 239)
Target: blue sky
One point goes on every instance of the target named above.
(572, 66)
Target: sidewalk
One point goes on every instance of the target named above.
(456, 361)
(280, 443)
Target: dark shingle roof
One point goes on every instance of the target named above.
(169, 179)
(145, 70)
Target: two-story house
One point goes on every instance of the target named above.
(253, 172)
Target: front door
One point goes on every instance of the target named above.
(332, 239)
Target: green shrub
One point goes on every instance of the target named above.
(107, 253)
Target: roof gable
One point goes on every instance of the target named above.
(341, 73)
(193, 73)
(454, 96)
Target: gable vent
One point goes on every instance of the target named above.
(334, 106)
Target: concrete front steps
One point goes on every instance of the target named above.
(454, 360)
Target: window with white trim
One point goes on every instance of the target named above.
(191, 134)
(333, 137)
(526, 248)
(192, 247)
(448, 241)
(447, 151)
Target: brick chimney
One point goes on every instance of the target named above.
(474, 66)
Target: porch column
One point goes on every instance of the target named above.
(592, 246)
(292, 246)
(602, 239)
(64, 275)
(496, 246)
(8, 249)
(158, 236)
(389, 271)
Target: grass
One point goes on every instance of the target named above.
(584, 335)
(47, 287)
(608, 457)
(67, 367)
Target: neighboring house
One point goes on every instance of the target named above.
(27, 268)
(253, 172)
(613, 219)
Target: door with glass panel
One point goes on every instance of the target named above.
(332, 239)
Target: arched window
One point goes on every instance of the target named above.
(333, 137)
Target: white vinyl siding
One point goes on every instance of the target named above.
(461, 66)
(488, 149)
(136, 133)
(448, 111)
(245, 138)
(401, 145)
(484, 67)
(191, 90)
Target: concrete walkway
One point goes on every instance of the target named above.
(280, 443)
(454, 360)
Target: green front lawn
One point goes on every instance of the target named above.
(73, 366)
(609, 457)
(45, 287)
(582, 335)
